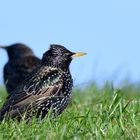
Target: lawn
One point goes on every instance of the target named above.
(104, 113)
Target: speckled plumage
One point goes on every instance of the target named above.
(48, 87)
(21, 62)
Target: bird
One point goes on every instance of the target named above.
(48, 87)
(21, 62)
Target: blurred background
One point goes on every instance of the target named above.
(108, 30)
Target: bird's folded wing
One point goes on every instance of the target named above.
(23, 98)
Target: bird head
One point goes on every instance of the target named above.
(59, 56)
(18, 50)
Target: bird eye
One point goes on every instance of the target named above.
(67, 54)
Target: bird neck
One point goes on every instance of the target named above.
(64, 69)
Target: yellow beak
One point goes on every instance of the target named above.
(78, 54)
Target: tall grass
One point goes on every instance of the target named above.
(94, 113)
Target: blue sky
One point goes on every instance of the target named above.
(108, 30)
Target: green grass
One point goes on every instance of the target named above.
(94, 113)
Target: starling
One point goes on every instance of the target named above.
(48, 87)
(21, 62)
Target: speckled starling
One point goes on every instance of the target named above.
(48, 87)
(21, 62)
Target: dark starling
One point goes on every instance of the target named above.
(21, 62)
(48, 87)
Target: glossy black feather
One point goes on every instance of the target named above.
(48, 87)
(21, 62)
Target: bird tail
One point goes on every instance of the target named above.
(1, 116)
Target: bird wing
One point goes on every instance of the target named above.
(18, 69)
(35, 87)
(21, 67)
